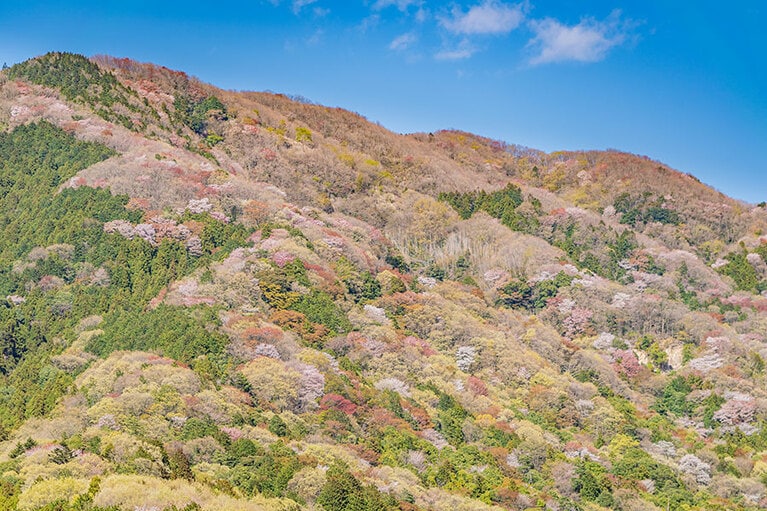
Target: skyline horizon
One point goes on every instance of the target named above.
(674, 84)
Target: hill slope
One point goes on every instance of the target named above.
(242, 301)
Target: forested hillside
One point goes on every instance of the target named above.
(220, 300)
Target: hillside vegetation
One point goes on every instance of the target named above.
(218, 300)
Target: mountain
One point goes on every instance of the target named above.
(239, 300)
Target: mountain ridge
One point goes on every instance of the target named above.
(236, 299)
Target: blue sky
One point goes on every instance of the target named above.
(683, 82)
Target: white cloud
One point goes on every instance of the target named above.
(403, 42)
(462, 52)
(489, 17)
(588, 41)
(454, 54)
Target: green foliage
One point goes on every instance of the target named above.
(22, 447)
(61, 455)
(32, 389)
(495, 203)
(196, 113)
(175, 332)
(303, 134)
(674, 398)
(741, 271)
(343, 492)
(79, 79)
(520, 294)
(711, 404)
(623, 246)
(34, 161)
(450, 418)
(319, 307)
(501, 204)
(636, 465)
(436, 272)
(593, 484)
(635, 209)
(361, 285)
(278, 426)
(397, 262)
(218, 237)
(256, 469)
(598, 249)
(454, 470)
(198, 428)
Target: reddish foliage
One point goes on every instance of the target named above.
(335, 429)
(732, 371)
(570, 345)
(314, 334)
(157, 300)
(626, 363)
(136, 203)
(158, 360)
(337, 402)
(420, 416)
(190, 401)
(288, 319)
(365, 453)
(322, 272)
(717, 316)
(267, 334)
(423, 347)
(476, 386)
(256, 211)
(382, 417)
(475, 291)
(506, 496)
(194, 226)
(22, 88)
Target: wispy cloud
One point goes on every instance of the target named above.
(462, 52)
(297, 5)
(403, 42)
(316, 37)
(489, 17)
(588, 41)
(402, 5)
(300, 4)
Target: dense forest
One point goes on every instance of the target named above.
(214, 300)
